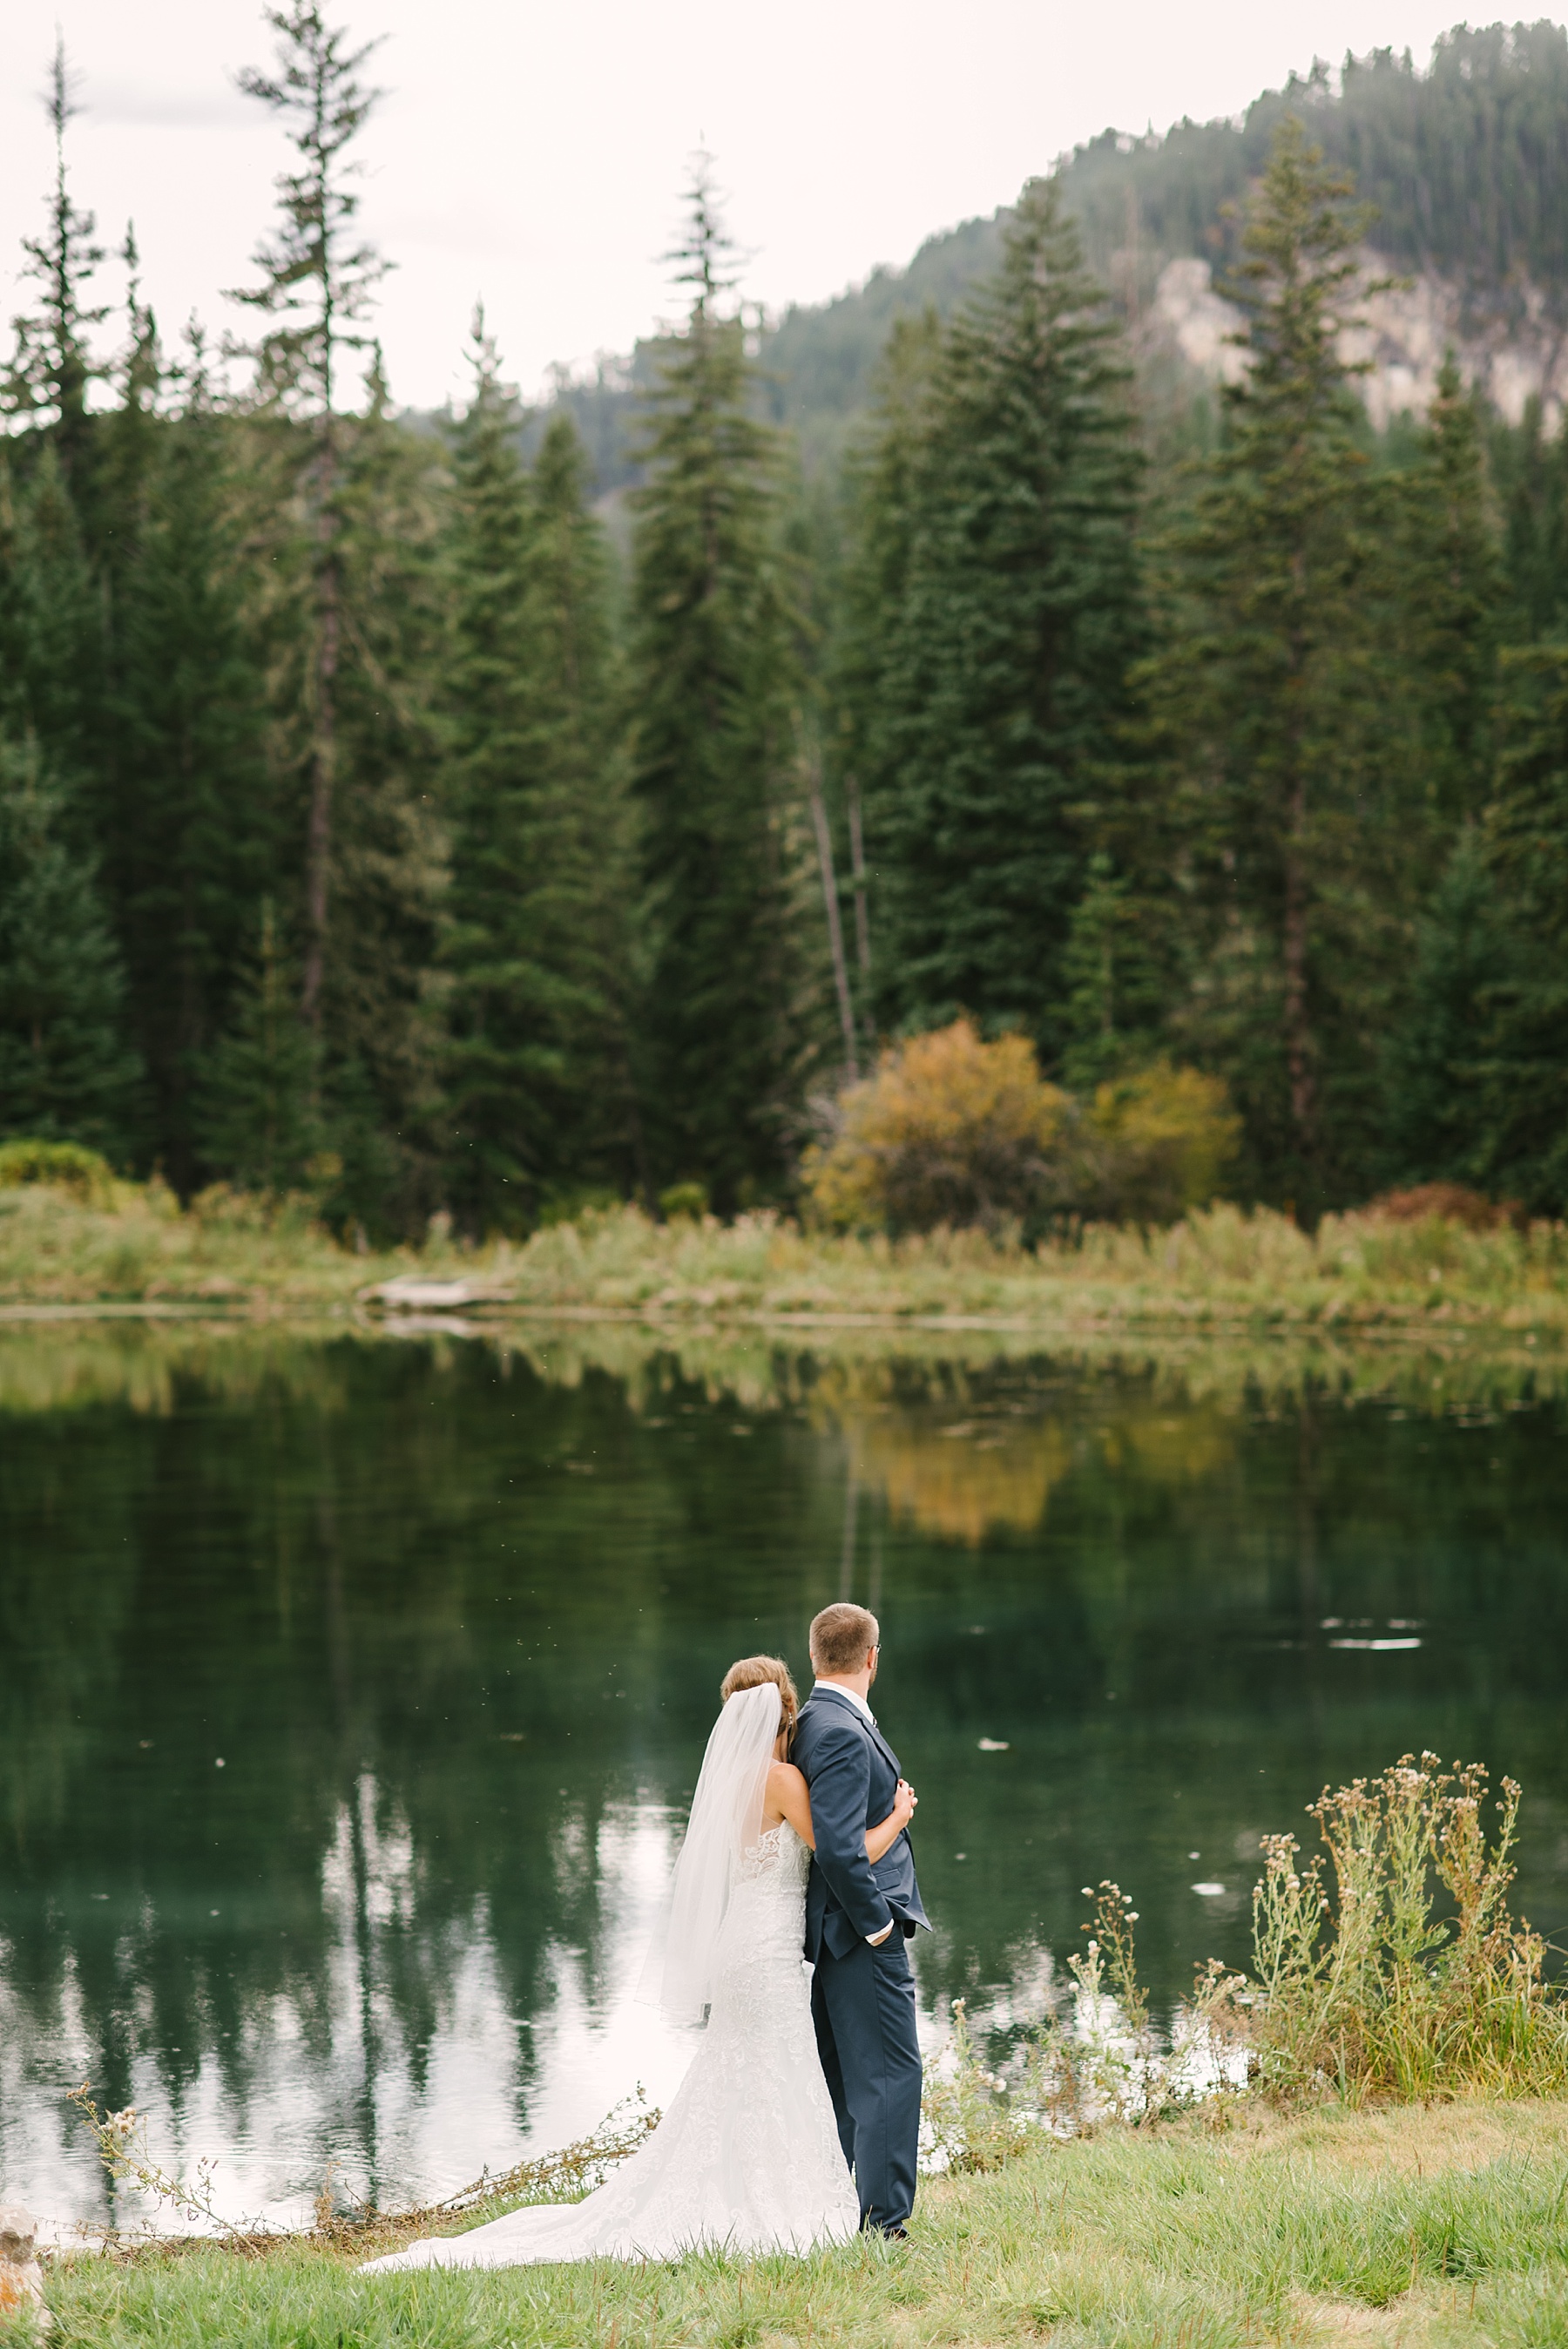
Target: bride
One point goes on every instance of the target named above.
(748, 2157)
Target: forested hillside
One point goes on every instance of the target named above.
(376, 829)
(1464, 162)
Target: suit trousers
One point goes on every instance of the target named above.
(863, 2007)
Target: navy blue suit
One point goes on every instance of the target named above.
(863, 2000)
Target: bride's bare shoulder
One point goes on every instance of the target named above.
(788, 1798)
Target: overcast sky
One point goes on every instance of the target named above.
(536, 156)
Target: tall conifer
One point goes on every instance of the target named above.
(1288, 749)
(52, 366)
(1522, 1127)
(1010, 641)
(51, 634)
(714, 674)
(317, 280)
(534, 931)
(1455, 595)
(1436, 1064)
(181, 795)
(66, 1073)
(255, 1114)
(347, 504)
(881, 508)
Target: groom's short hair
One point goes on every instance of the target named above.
(841, 1636)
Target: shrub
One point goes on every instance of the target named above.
(576, 1203)
(684, 1202)
(1161, 1143)
(1447, 1202)
(62, 1166)
(954, 1131)
(950, 1129)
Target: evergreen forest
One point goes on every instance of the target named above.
(490, 815)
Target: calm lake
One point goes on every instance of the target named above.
(353, 1687)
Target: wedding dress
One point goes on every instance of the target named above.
(748, 2157)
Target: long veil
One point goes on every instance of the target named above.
(726, 1819)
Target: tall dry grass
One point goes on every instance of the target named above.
(1218, 1269)
(1390, 1964)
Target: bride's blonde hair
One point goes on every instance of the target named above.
(754, 1672)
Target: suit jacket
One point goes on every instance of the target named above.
(852, 1773)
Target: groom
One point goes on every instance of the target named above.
(859, 1922)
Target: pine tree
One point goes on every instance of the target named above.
(1453, 604)
(51, 635)
(880, 511)
(1114, 982)
(348, 503)
(534, 922)
(379, 1024)
(179, 795)
(1287, 745)
(1009, 643)
(255, 1111)
(714, 683)
(66, 1073)
(317, 286)
(52, 367)
(1521, 1118)
(588, 908)
(1530, 467)
(1436, 1062)
(50, 622)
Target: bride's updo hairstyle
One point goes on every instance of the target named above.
(754, 1672)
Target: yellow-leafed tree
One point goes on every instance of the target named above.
(954, 1131)
(950, 1129)
(1160, 1141)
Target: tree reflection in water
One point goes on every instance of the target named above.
(451, 1614)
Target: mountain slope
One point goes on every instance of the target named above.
(1465, 161)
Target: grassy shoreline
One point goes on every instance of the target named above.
(1219, 1268)
(1439, 2223)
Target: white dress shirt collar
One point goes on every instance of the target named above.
(852, 1695)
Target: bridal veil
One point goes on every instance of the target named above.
(725, 1821)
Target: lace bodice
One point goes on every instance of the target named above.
(779, 1853)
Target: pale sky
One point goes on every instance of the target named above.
(536, 157)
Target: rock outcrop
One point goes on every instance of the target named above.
(1514, 349)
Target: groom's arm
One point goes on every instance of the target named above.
(840, 1787)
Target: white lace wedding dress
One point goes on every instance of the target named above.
(748, 2157)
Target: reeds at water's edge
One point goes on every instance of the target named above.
(1219, 1267)
(1390, 1966)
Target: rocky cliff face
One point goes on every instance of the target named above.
(1513, 349)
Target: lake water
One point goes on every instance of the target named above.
(353, 1687)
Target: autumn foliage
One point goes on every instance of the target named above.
(956, 1131)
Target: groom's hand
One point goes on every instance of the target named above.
(875, 1940)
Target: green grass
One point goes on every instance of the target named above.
(1220, 1268)
(1412, 2224)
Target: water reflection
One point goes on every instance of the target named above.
(356, 1688)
